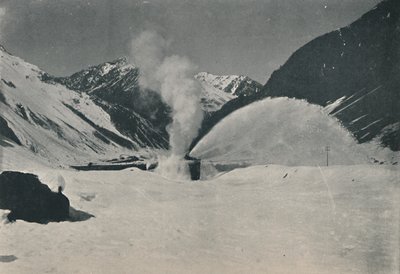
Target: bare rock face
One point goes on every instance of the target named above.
(353, 70)
(30, 200)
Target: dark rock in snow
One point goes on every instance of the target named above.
(30, 200)
(7, 258)
(7, 132)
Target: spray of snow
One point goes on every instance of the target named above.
(173, 77)
(280, 131)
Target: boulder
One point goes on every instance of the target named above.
(30, 200)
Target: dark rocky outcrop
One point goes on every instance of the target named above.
(30, 200)
(7, 132)
(360, 62)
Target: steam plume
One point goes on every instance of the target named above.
(173, 77)
(148, 52)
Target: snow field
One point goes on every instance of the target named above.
(262, 219)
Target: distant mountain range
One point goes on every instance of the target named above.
(53, 122)
(354, 72)
(114, 87)
(98, 111)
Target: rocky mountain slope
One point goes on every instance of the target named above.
(117, 82)
(94, 110)
(57, 124)
(354, 72)
(114, 87)
(217, 90)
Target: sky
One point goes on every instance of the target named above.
(247, 37)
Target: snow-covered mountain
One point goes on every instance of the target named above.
(55, 123)
(117, 82)
(353, 71)
(281, 131)
(97, 111)
(114, 87)
(219, 89)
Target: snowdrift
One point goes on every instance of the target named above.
(275, 219)
(280, 131)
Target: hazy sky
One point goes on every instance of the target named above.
(250, 37)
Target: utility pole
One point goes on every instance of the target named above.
(327, 149)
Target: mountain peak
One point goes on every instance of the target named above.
(121, 65)
(237, 85)
(219, 89)
(102, 75)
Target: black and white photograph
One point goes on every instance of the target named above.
(208, 136)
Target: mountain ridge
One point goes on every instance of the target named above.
(358, 63)
(136, 118)
(56, 123)
(353, 71)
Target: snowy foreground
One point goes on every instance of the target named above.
(339, 219)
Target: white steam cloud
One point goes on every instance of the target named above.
(173, 77)
(148, 53)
